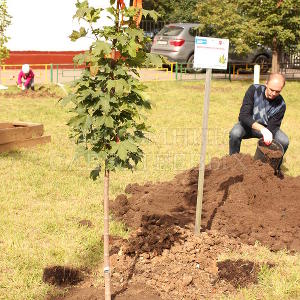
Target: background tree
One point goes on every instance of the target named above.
(108, 99)
(173, 10)
(247, 23)
(183, 11)
(4, 23)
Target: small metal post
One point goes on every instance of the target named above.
(56, 73)
(46, 71)
(51, 73)
(172, 66)
(180, 71)
(256, 74)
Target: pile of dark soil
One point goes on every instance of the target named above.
(242, 199)
(163, 259)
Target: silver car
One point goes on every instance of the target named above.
(176, 42)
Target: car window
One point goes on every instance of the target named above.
(171, 30)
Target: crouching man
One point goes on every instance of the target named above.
(261, 114)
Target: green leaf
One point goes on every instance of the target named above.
(153, 60)
(122, 39)
(109, 122)
(99, 121)
(105, 105)
(77, 120)
(120, 86)
(75, 35)
(151, 13)
(122, 152)
(114, 147)
(64, 101)
(93, 15)
(101, 48)
(132, 48)
(95, 173)
(81, 58)
(131, 147)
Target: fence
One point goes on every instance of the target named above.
(235, 72)
(9, 73)
(63, 73)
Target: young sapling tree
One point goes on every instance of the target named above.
(109, 98)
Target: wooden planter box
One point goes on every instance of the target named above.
(19, 135)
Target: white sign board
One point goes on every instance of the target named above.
(211, 53)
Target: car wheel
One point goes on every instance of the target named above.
(264, 63)
(190, 66)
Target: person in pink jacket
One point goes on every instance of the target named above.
(26, 78)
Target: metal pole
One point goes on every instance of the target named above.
(56, 73)
(203, 152)
(46, 73)
(51, 73)
(180, 71)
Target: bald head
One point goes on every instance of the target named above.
(274, 84)
(276, 77)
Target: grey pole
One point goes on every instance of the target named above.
(203, 152)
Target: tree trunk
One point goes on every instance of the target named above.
(275, 57)
(106, 236)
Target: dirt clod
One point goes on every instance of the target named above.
(62, 275)
(85, 223)
(239, 273)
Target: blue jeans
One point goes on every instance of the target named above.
(239, 132)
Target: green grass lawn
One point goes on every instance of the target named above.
(44, 194)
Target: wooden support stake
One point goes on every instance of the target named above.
(106, 236)
(203, 152)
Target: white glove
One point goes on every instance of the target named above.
(23, 87)
(267, 135)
